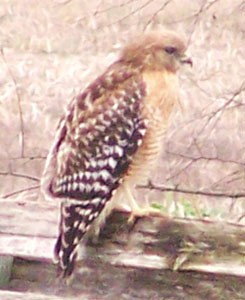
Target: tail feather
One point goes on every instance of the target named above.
(75, 222)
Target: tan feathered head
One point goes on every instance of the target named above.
(156, 50)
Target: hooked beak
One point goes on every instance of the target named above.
(186, 60)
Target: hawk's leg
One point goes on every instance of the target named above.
(137, 211)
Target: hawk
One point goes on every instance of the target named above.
(110, 138)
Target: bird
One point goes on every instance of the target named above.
(110, 138)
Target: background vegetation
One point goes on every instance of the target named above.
(50, 50)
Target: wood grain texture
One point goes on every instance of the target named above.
(9, 295)
(28, 229)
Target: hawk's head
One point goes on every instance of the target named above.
(156, 50)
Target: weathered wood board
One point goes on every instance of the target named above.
(28, 230)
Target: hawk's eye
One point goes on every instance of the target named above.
(170, 50)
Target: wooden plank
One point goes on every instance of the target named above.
(31, 247)
(9, 295)
(97, 279)
(180, 244)
(29, 218)
(29, 228)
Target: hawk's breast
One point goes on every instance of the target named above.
(161, 95)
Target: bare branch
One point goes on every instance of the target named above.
(28, 158)
(176, 189)
(203, 8)
(207, 158)
(20, 191)
(19, 175)
(105, 10)
(131, 13)
(156, 13)
(22, 129)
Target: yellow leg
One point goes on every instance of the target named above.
(136, 210)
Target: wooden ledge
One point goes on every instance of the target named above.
(28, 229)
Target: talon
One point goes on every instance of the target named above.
(133, 218)
(143, 212)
